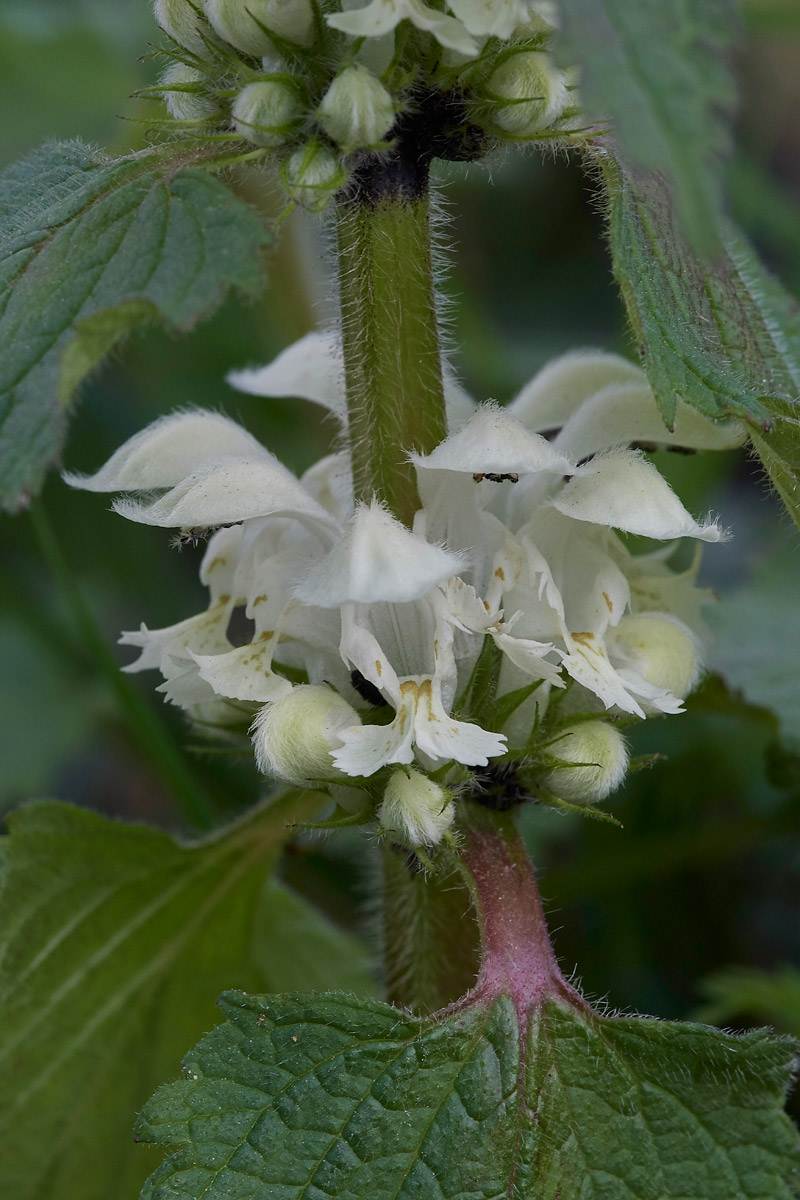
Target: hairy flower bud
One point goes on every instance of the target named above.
(356, 111)
(415, 808)
(601, 757)
(661, 649)
(185, 24)
(182, 95)
(243, 23)
(294, 737)
(265, 112)
(535, 89)
(312, 175)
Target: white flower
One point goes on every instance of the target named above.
(470, 20)
(381, 16)
(490, 18)
(516, 546)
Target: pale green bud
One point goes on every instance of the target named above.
(414, 808)
(356, 111)
(240, 23)
(536, 88)
(661, 649)
(186, 105)
(295, 737)
(185, 23)
(602, 755)
(312, 175)
(265, 112)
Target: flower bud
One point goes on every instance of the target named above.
(312, 175)
(661, 649)
(600, 750)
(242, 23)
(186, 105)
(536, 89)
(294, 737)
(415, 808)
(356, 111)
(184, 23)
(265, 112)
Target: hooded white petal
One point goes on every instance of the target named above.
(378, 559)
(330, 482)
(561, 387)
(311, 368)
(493, 441)
(625, 491)
(380, 16)
(168, 450)
(229, 491)
(620, 414)
(490, 18)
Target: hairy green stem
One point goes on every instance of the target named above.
(146, 730)
(430, 935)
(392, 355)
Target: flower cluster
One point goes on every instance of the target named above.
(313, 86)
(512, 625)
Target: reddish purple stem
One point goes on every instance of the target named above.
(518, 959)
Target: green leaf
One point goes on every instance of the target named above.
(756, 646)
(655, 69)
(312, 1096)
(91, 247)
(723, 336)
(772, 996)
(115, 942)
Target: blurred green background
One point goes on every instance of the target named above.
(704, 879)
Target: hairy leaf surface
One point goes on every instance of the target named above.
(91, 247)
(114, 942)
(719, 333)
(655, 69)
(328, 1096)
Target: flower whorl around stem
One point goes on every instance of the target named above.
(278, 75)
(380, 655)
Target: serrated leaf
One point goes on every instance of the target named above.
(114, 942)
(90, 247)
(656, 70)
(327, 1096)
(723, 335)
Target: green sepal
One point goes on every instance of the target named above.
(549, 800)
